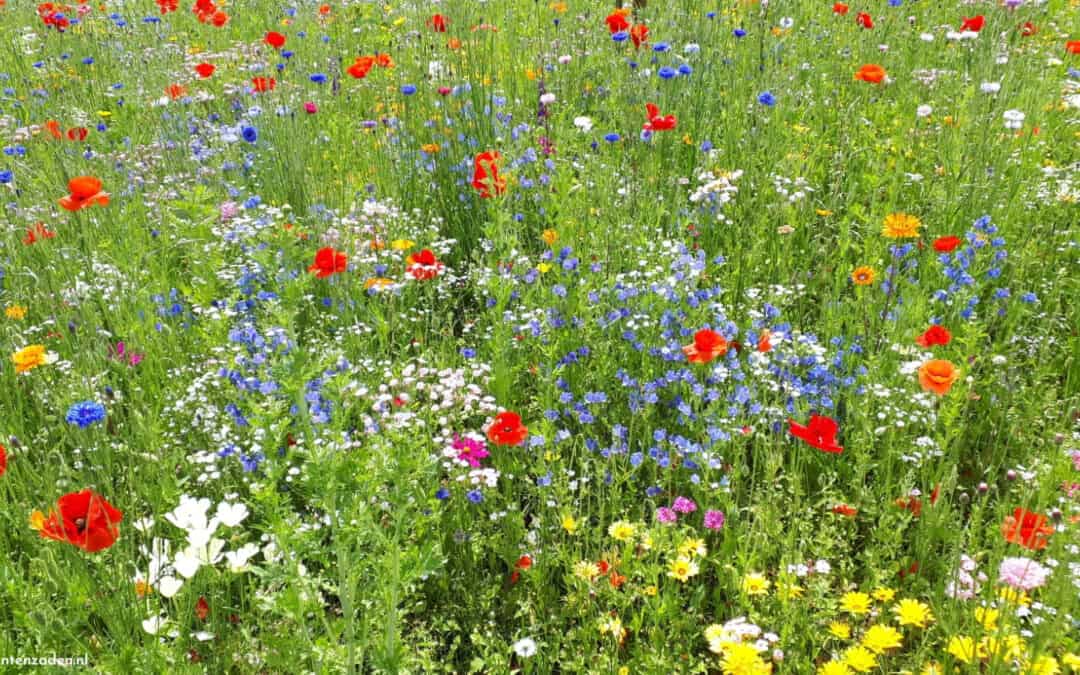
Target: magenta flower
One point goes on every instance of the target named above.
(666, 515)
(714, 520)
(684, 505)
(470, 450)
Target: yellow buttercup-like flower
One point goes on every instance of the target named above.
(855, 603)
(833, 668)
(913, 613)
(16, 312)
(740, 658)
(550, 237)
(402, 244)
(860, 659)
(569, 523)
(839, 630)
(988, 617)
(693, 547)
(964, 649)
(881, 638)
(883, 594)
(583, 569)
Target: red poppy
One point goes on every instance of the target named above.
(507, 429)
(424, 265)
(54, 16)
(1073, 46)
(438, 23)
(819, 433)
(219, 19)
(840, 8)
(486, 174)
(3, 459)
(934, 335)
(912, 570)
(1027, 29)
(913, 504)
(205, 70)
(328, 262)
(38, 231)
(204, 10)
(360, 68)
(384, 61)
(202, 609)
(707, 345)
(275, 39)
(603, 566)
(616, 579)
(871, 72)
(763, 343)
(324, 9)
(84, 519)
(616, 21)
(845, 510)
(974, 24)
(167, 6)
(175, 91)
(77, 133)
(946, 244)
(1026, 529)
(656, 121)
(523, 563)
(863, 19)
(639, 34)
(85, 191)
(263, 85)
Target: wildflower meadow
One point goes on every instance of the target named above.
(527, 336)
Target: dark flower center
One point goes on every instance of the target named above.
(80, 524)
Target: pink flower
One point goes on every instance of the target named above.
(470, 450)
(684, 505)
(665, 515)
(1023, 573)
(714, 520)
(310, 108)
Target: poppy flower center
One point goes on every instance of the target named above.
(80, 524)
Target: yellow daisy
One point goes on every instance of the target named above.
(860, 659)
(755, 583)
(881, 638)
(913, 613)
(855, 603)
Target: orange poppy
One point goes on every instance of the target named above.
(1027, 529)
(1073, 46)
(53, 127)
(871, 72)
(263, 84)
(85, 191)
(360, 68)
(938, 376)
(175, 91)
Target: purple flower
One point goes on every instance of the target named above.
(714, 520)
(665, 515)
(684, 505)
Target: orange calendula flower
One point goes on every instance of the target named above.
(863, 276)
(938, 376)
(901, 226)
(31, 357)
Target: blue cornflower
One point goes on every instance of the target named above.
(85, 413)
(408, 89)
(666, 72)
(620, 36)
(317, 78)
(250, 134)
(6, 176)
(475, 496)
(739, 32)
(442, 494)
(766, 98)
(612, 138)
